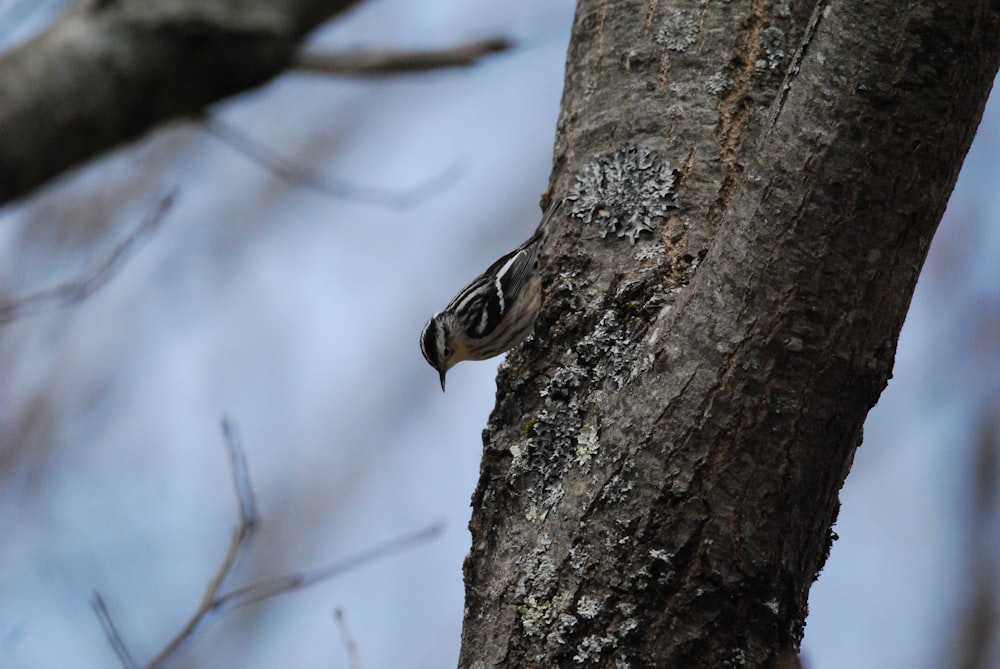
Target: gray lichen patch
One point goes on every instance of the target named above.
(626, 192)
(588, 607)
(654, 252)
(535, 615)
(548, 617)
(557, 428)
(537, 568)
(592, 647)
(587, 444)
(718, 84)
(553, 440)
(563, 625)
(772, 43)
(611, 352)
(678, 32)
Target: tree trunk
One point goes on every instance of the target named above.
(662, 468)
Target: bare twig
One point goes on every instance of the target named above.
(216, 601)
(312, 180)
(279, 585)
(381, 63)
(248, 514)
(241, 475)
(83, 287)
(353, 655)
(244, 531)
(114, 638)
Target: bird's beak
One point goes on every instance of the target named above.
(443, 372)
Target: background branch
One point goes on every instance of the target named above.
(267, 588)
(350, 645)
(79, 289)
(303, 177)
(241, 45)
(213, 601)
(100, 608)
(382, 63)
(241, 476)
(171, 60)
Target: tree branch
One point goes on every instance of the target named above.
(350, 645)
(78, 290)
(245, 529)
(111, 631)
(106, 73)
(279, 585)
(382, 63)
(303, 177)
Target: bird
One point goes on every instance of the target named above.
(494, 312)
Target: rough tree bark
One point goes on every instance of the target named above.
(662, 468)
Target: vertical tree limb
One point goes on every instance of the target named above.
(661, 471)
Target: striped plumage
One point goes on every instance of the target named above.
(494, 313)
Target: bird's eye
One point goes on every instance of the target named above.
(447, 352)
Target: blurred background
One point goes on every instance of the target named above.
(296, 314)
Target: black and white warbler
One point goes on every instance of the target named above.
(494, 313)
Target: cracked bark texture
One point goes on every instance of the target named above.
(111, 70)
(661, 472)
